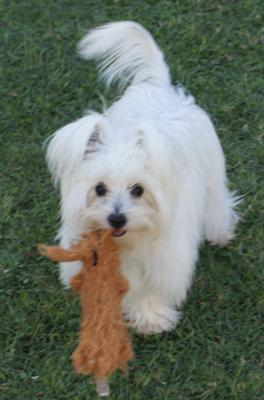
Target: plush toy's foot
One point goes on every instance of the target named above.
(149, 317)
(102, 388)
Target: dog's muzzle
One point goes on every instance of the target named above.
(117, 221)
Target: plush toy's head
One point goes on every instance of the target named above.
(97, 247)
(93, 248)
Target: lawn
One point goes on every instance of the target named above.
(216, 49)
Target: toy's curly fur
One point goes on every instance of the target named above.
(104, 343)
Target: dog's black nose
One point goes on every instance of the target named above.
(117, 220)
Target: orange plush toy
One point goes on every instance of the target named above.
(104, 343)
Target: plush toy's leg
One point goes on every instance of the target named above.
(125, 353)
(102, 388)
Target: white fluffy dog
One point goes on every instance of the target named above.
(151, 168)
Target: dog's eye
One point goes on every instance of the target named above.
(100, 189)
(136, 191)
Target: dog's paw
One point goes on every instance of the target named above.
(150, 318)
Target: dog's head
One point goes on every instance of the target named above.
(109, 178)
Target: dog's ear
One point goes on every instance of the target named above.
(140, 134)
(67, 147)
(95, 141)
(156, 146)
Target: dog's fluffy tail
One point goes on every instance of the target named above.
(126, 52)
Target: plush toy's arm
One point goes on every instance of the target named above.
(121, 284)
(57, 253)
(77, 281)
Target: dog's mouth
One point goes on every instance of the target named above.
(118, 232)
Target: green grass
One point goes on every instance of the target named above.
(216, 49)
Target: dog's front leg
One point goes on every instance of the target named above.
(149, 314)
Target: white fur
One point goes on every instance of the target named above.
(157, 136)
